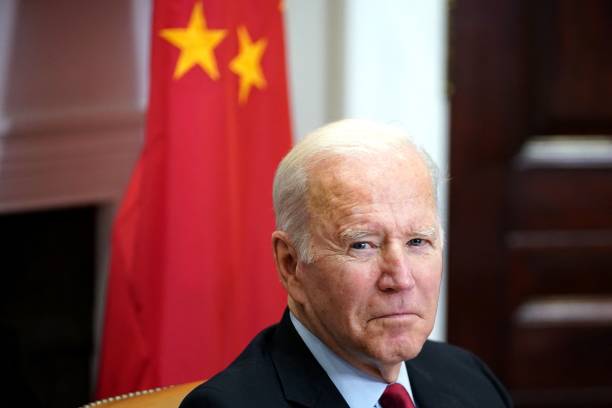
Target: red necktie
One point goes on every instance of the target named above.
(395, 396)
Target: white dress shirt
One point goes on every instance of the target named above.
(359, 390)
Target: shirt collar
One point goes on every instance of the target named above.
(357, 388)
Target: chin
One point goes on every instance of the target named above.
(399, 349)
(413, 351)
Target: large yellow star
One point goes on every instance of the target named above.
(247, 64)
(196, 42)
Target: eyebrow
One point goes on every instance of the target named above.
(356, 234)
(430, 232)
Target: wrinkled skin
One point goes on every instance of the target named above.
(371, 293)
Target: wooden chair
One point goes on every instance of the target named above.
(166, 397)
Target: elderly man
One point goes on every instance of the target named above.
(358, 248)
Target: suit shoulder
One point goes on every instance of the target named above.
(250, 380)
(248, 383)
(438, 354)
(435, 350)
(460, 370)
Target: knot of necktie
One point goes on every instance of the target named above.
(395, 396)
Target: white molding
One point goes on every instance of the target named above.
(67, 158)
(576, 151)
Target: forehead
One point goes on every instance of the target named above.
(341, 185)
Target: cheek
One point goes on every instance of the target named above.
(324, 290)
(343, 289)
(432, 281)
(430, 277)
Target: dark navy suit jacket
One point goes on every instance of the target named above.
(277, 370)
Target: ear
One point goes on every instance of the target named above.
(287, 265)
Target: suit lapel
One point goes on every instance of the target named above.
(427, 393)
(303, 380)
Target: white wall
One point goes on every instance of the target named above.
(383, 60)
(308, 33)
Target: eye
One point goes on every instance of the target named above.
(361, 245)
(416, 242)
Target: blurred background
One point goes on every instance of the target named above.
(511, 99)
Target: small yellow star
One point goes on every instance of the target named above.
(247, 64)
(196, 42)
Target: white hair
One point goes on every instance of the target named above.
(345, 138)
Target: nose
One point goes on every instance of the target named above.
(396, 270)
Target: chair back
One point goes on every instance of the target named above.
(166, 397)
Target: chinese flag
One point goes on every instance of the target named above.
(192, 278)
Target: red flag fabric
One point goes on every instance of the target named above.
(192, 277)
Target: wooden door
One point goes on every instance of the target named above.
(530, 236)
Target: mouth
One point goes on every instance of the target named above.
(395, 316)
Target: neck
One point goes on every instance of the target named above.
(387, 372)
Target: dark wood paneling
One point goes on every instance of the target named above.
(484, 115)
(530, 242)
(561, 198)
(558, 270)
(570, 65)
(560, 357)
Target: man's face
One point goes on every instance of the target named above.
(371, 294)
